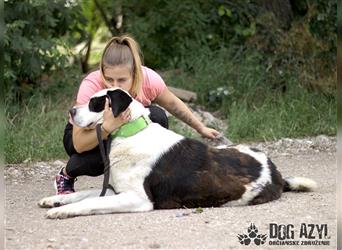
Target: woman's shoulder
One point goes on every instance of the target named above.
(148, 71)
(151, 78)
(152, 86)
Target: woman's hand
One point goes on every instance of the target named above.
(110, 123)
(208, 132)
(85, 139)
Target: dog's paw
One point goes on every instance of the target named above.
(61, 212)
(52, 201)
(68, 211)
(56, 213)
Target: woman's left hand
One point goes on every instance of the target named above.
(209, 132)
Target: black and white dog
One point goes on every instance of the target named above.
(156, 168)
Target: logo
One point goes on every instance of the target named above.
(252, 236)
(305, 234)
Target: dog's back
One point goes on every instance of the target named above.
(191, 174)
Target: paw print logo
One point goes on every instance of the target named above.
(244, 240)
(260, 239)
(252, 231)
(252, 236)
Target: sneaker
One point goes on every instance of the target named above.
(64, 184)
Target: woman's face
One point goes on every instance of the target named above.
(118, 76)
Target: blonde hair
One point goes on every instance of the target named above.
(124, 50)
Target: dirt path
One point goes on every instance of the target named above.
(214, 228)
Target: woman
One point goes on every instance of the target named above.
(120, 66)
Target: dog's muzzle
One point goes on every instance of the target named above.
(72, 112)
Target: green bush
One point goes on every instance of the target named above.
(35, 40)
(171, 32)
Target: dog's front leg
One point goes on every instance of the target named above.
(121, 203)
(61, 200)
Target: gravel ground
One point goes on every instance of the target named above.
(210, 228)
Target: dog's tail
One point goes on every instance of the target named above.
(299, 184)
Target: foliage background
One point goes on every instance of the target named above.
(267, 66)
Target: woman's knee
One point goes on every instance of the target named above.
(158, 115)
(67, 140)
(88, 163)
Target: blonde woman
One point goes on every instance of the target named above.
(120, 66)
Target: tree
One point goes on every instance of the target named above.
(35, 39)
(99, 13)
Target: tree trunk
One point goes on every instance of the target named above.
(109, 22)
(85, 58)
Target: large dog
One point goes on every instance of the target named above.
(155, 168)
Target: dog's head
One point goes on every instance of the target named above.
(91, 113)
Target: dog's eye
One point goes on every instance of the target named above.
(97, 104)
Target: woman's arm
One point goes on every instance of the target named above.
(178, 108)
(85, 139)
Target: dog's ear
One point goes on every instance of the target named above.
(120, 101)
(97, 104)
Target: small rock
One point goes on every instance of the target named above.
(309, 142)
(208, 118)
(182, 214)
(49, 247)
(198, 210)
(58, 163)
(154, 245)
(14, 171)
(322, 139)
(27, 160)
(179, 214)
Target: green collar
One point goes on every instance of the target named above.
(131, 128)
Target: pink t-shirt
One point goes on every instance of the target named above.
(152, 86)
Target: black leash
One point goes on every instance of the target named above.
(105, 159)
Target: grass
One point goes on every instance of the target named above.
(292, 115)
(253, 101)
(34, 127)
(36, 132)
(236, 85)
(296, 114)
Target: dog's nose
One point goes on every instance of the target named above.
(72, 112)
